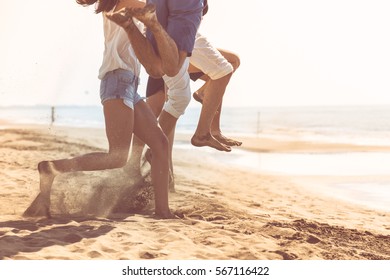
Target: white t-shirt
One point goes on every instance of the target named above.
(118, 52)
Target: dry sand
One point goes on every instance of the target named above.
(225, 213)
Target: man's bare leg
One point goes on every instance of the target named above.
(211, 102)
(167, 122)
(171, 183)
(215, 125)
(149, 158)
(156, 103)
(199, 94)
(216, 131)
(168, 61)
(234, 60)
(168, 125)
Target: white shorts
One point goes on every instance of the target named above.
(179, 91)
(209, 60)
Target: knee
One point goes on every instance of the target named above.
(185, 100)
(177, 104)
(171, 71)
(154, 72)
(179, 95)
(171, 68)
(235, 62)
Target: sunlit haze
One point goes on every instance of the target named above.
(333, 52)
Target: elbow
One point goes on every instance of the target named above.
(235, 62)
(172, 70)
(154, 72)
(173, 67)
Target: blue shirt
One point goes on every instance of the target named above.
(181, 20)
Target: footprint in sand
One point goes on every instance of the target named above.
(94, 254)
(313, 240)
(72, 238)
(286, 255)
(148, 255)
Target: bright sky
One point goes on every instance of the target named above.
(300, 52)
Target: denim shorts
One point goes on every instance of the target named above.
(120, 84)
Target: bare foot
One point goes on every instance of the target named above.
(39, 207)
(227, 141)
(165, 215)
(41, 204)
(209, 140)
(47, 173)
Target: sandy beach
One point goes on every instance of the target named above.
(225, 212)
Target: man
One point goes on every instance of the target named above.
(219, 66)
(167, 53)
(164, 52)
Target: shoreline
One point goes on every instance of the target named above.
(226, 213)
(261, 155)
(272, 157)
(259, 144)
(267, 144)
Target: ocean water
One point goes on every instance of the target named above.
(353, 125)
(359, 125)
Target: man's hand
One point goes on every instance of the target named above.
(146, 15)
(122, 17)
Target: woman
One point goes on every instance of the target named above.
(124, 112)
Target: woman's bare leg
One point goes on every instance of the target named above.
(119, 121)
(155, 102)
(147, 129)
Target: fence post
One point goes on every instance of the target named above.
(53, 118)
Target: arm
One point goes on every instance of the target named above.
(169, 59)
(123, 16)
(129, 4)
